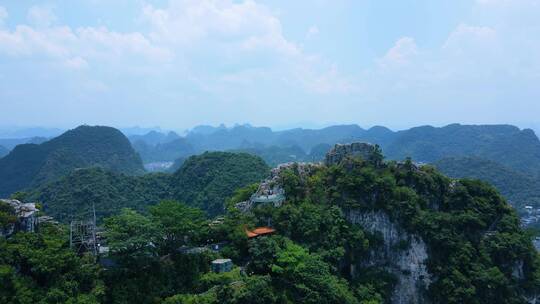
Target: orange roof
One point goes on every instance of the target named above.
(259, 231)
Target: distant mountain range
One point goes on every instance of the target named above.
(503, 155)
(3, 151)
(519, 188)
(30, 165)
(505, 144)
(504, 149)
(161, 147)
(10, 143)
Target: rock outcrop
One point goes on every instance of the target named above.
(25, 215)
(402, 254)
(270, 190)
(342, 151)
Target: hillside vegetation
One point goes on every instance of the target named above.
(31, 165)
(519, 188)
(3, 151)
(475, 251)
(204, 181)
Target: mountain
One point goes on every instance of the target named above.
(74, 194)
(29, 165)
(223, 139)
(153, 138)
(353, 229)
(206, 130)
(205, 181)
(507, 145)
(10, 143)
(275, 155)
(165, 151)
(307, 139)
(3, 151)
(425, 238)
(519, 188)
(129, 131)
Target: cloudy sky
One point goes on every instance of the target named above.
(180, 63)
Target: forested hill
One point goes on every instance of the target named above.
(520, 189)
(204, 181)
(3, 151)
(505, 144)
(32, 164)
(354, 230)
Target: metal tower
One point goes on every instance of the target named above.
(82, 235)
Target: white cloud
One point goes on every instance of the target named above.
(401, 54)
(186, 34)
(74, 47)
(466, 38)
(245, 24)
(41, 16)
(238, 29)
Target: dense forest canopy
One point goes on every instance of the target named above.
(475, 250)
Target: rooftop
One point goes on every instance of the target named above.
(259, 231)
(221, 261)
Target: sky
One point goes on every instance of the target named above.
(279, 63)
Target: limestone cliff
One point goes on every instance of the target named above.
(402, 254)
(342, 151)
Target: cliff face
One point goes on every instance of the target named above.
(402, 254)
(342, 151)
(25, 216)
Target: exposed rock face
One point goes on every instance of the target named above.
(402, 254)
(341, 151)
(270, 190)
(26, 215)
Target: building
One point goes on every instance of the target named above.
(261, 231)
(222, 265)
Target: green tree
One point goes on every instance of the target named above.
(131, 234)
(179, 223)
(307, 279)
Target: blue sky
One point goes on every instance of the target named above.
(277, 63)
